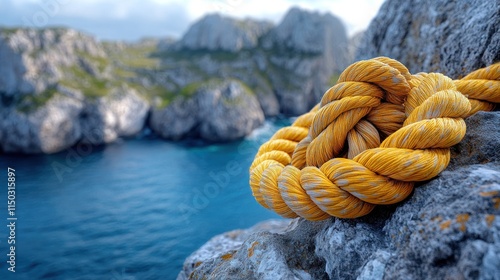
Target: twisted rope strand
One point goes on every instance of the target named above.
(481, 87)
(373, 135)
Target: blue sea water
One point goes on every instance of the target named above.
(130, 210)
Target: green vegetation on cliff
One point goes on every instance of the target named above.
(119, 67)
(29, 103)
(91, 86)
(194, 55)
(132, 55)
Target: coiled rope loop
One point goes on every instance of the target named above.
(373, 135)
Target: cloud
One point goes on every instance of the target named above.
(133, 19)
(356, 15)
(129, 20)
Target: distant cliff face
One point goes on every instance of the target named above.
(312, 49)
(289, 66)
(215, 32)
(215, 111)
(314, 33)
(58, 87)
(33, 60)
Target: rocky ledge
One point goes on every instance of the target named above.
(64, 121)
(448, 229)
(214, 111)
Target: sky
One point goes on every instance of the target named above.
(134, 19)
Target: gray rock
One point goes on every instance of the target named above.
(32, 59)
(451, 37)
(63, 121)
(98, 123)
(121, 114)
(374, 269)
(217, 111)
(176, 120)
(216, 32)
(258, 254)
(56, 89)
(244, 69)
(354, 44)
(268, 102)
(228, 111)
(480, 142)
(449, 228)
(48, 129)
(130, 109)
(228, 242)
(309, 32)
(309, 48)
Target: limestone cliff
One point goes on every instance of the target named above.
(288, 66)
(216, 32)
(214, 111)
(96, 92)
(58, 87)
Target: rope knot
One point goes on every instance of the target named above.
(374, 133)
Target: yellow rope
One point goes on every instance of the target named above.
(374, 133)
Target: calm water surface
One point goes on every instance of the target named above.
(131, 210)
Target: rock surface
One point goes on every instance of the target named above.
(57, 87)
(310, 32)
(229, 242)
(217, 32)
(216, 111)
(49, 129)
(311, 48)
(121, 114)
(63, 121)
(33, 60)
(449, 228)
(451, 37)
(354, 44)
